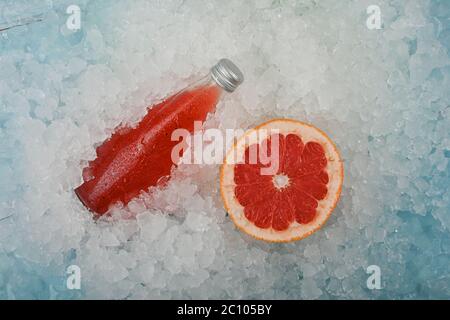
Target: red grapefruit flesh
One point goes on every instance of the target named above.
(294, 200)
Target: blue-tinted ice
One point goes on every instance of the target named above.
(382, 95)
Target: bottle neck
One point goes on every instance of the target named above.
(206, 82)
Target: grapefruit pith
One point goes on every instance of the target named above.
(292, 195)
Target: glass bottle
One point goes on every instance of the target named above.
(134, 159)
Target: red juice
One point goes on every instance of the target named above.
(134, 159)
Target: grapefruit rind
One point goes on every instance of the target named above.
(295, 231)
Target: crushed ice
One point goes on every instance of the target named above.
(382, 95)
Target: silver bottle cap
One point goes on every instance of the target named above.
(227, 75)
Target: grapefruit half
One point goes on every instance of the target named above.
(296, 196)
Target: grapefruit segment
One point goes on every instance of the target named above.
(295, 200)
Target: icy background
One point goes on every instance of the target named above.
(382, 95)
